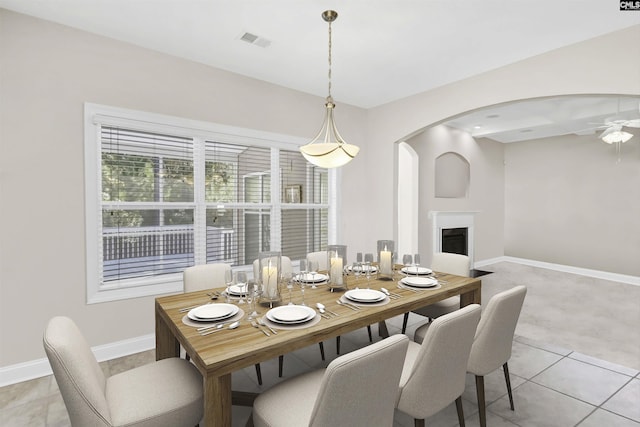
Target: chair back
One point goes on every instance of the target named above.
(437, 377)
(79, 377)
(285, 265)
(494, 336)
(205, 276)
(445, 262)
(359, 389)
(321, 258)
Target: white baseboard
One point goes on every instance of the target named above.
(605, 275)
(39, 368)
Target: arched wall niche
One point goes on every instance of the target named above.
(451, 176)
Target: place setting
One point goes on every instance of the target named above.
(412, 266)
(312, 278)
(364, 298)
(212, 314)
(419, 283)
(291, 317)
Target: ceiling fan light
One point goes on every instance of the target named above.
(615, 135)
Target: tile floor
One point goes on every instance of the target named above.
(552, 386)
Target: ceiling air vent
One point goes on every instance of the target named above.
(256, 40)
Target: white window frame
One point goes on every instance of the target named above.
(95, 116)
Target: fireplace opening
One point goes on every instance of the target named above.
(454, 240)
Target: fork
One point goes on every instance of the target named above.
(255, 325)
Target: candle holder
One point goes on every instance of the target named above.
(386, 255)
(337, 261)
(268, 279)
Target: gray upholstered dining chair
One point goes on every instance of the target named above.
(166, 393)
(287, 268)
(434, 372)
(443, 262)
(321, 258)
(493, 340)
(357, 389)
(207, 276)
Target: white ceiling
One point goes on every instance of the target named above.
(382, 50)
(547, 117)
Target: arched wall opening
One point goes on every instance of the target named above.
(536, 199)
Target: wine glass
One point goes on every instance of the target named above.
(407, 261)
(367, 272)
(228, 281)
(359, 257)
(416, 261)
(357, 270)
(288, 278)
(304, 269)
(241, 281)
(251, 299)
(313, 270)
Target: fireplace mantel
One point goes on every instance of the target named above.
(453, 219)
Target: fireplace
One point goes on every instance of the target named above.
(453, 232)
(454, 240)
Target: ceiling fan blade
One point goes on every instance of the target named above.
(635, 123)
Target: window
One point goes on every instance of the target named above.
(164, 193)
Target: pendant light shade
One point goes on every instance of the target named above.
(328, 149)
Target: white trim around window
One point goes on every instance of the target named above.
(96, 116)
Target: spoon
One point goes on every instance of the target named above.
(255, 325)
(322, 309)
(389, 294)
(261, 321)
(220, 327)
(347, 305)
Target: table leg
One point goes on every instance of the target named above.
(166, 344)
(382, 329)
(217, 401)
(471, 297)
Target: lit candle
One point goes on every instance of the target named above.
(336, 270)
(385, 261)
(270, 280)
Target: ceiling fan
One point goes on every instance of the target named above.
(613, 128)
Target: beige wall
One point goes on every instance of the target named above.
(570, 70)
(49, 71)
(485, 195)
(568, 201)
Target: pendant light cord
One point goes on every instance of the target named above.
(329, 59)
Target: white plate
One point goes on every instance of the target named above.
(362, 269)
(416, 270)
(419, 282)
(365, 295)
(291, 314)
(237, 290)
(310, 278)
(210, 312)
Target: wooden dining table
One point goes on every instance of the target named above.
(220, 354)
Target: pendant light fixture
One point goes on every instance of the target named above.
(328, 149)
